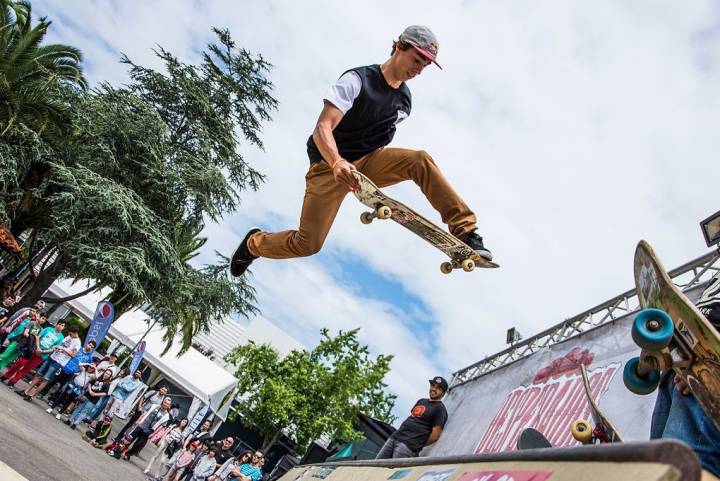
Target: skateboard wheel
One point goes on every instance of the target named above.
(383, 212)
(652, 329)
(446, 267)
(639, 384)
(468, 265)
(366, 217)
(581, 431)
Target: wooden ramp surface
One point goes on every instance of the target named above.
(650, 461)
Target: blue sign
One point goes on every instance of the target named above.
(137, 357)
(104, 315)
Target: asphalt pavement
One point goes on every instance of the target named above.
(41, 448)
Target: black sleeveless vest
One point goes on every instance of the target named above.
(370, 122)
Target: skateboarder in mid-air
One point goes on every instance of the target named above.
(357, 121)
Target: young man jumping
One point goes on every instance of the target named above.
(358, 120)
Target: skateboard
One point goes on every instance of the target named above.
(531, 438)
(672, 333)
(603, 430)
(384, 207)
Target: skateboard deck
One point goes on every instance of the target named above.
(603, 430)
(694, 349)
(384, 207)
(531, 438)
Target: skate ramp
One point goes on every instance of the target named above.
(649, 461)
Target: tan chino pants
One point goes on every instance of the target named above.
(323, 196)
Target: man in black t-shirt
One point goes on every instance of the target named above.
(422, 428)
(358, 120)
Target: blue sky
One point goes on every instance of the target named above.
(573, 129)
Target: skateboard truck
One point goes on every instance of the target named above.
(467, 265)
(382, 212)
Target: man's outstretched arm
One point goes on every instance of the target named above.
(329, 118)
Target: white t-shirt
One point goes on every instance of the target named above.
(104, 365)
(69, 343)
(344, 92)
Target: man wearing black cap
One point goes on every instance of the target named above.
(422, 428)
(360, 114)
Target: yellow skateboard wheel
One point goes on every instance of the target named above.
(384, 212)
(581, 431)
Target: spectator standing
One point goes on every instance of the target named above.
(123, 388)
(93, 393)
(251, 471)
(201, 435)
(223, 450)
(64, 399)
(20, 336)
(177, 464)
(82, 360)
(45, 343)
(422, 428)
(6, 311)
(232, 464)
(155, 416)
(168, 445)
(148, 399)
(54, 363)
(109, 363)
(17, 317)
(205, 466)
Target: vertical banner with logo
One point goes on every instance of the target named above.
(137, 357)
(197, 419)
(104, 315)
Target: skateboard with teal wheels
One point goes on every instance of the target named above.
(461, 255)
(673, 334)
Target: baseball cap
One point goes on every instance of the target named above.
(439, 381)
(423, 40)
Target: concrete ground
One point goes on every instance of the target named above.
(41, 448)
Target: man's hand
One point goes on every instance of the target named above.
(343, 173)
(681, 385)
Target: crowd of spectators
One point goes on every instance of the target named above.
(86, 391)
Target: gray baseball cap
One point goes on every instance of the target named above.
(423, 40)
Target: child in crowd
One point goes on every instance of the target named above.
(97, 435)
(177, 464)
(205, 466)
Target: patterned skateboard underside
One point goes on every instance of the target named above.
(370, 195)
(693, 332)
(598, 416)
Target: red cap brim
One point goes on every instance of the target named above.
(426, 54)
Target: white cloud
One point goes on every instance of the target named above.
(573, 129)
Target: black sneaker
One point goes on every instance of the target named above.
(476, 242)
(242, 258)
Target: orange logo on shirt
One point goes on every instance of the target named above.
(418, 411)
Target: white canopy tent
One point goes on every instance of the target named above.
(192, 372)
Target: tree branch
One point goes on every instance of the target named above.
(70, 298)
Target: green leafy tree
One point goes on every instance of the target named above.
(125, 195)
(308, 394)
(30, 73)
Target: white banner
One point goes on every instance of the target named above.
(544, 391)
(195, 422)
